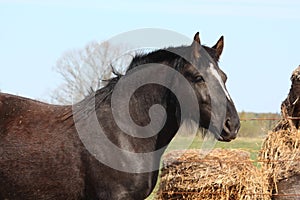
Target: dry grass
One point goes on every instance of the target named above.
(281, 155)
(220, 175)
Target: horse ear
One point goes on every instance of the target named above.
(219, 47)
(196, 45)
(197, 38)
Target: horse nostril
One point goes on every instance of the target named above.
(231, 128)
(228, 125)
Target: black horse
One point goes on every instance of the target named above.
(57, 152)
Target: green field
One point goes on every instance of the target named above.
(252, 145)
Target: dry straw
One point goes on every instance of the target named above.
(281, 154)
(280, 151)
(221, 175)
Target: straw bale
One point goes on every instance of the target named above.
(220, 175)
(280, 155)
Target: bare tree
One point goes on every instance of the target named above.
(85, 70)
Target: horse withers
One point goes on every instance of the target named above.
(43, 152)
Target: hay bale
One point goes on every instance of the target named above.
(280, 156)
(221, 175)
(280, 153)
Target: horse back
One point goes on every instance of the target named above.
(39, 151)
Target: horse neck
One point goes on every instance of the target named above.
(163, 97)
(155, 94)
(147, 96)
(171, 125)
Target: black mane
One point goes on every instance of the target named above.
(168, 55)
(171, 55)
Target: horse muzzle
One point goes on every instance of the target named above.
(230, 130)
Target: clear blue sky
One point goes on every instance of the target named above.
(262, 40)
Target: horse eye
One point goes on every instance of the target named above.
(198, 79)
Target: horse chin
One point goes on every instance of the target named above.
(226, 137)
(223, 137)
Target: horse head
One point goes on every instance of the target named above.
(217, 110)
